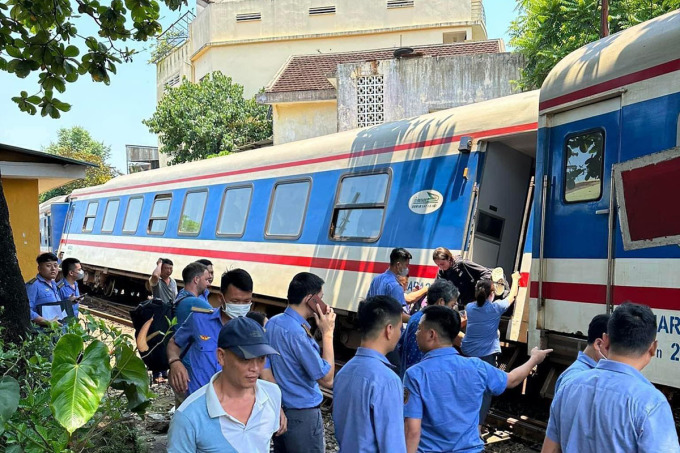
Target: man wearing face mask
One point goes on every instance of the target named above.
(587, 360)
(197, 336)
(68, 286)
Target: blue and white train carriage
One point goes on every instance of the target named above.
(333, 205)
(607, 225)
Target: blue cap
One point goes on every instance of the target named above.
(245, 338)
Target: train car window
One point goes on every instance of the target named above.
(110, 214)
(359, 208)
(132, 214)
(583, 167)
(287, 209)
(234, 211)
(160, 210)
(90, 215)
(192, 212)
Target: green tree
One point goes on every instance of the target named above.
(45, 36)
(77, 143)
(548, 30)
(197, 121)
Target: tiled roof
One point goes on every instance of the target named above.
(310, 72)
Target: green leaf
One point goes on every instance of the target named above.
(78, 383)
(13, 52)
(131, 377)
(71, 52)
(9, 399)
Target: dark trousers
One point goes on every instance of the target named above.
(305, 432)
(486, 400)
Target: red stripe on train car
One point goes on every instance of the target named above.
(654, 297)
(370, 152)
(639, 76)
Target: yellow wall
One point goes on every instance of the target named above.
(22, 201)
(298, 121)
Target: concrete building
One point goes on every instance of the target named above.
(24, 175)
(141, 158)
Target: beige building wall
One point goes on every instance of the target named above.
(299, 121)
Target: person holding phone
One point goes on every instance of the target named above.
(72, 271)
(302, 366)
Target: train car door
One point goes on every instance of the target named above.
(583, 144)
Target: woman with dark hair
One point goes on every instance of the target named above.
(483, 317)
(464, 274)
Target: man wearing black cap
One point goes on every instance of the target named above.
(235, 411)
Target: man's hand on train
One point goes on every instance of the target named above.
(179, 378)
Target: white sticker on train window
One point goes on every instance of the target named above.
(425, 201)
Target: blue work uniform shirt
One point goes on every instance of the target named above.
(204, 296)
(66, 291)
(386, 284)
(39, 292)
(184, 302)
(299, 364)
(409, 352)
(583, 363)
(445, 392)
(481, 333)
(199, 333)
(613, 408)
(368, 411)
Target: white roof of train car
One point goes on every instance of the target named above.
(45, 205)
(496, 117)
(604, 64)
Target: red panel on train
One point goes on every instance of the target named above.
(650, 193)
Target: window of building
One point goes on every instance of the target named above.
(287, 209)
(391, 4)
(90, 215)
(192, 212)
(234, 211)
(583, 167)
(248, 17)
(319, 10)
(110, 214)
(370, 101)
(160, 210)
(134, 211)
(359, 207)
(454, 37)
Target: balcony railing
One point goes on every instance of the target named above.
(174, 36)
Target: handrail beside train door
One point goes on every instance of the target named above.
(469, 222)
(541, 260)
(610, 244)
(525, 221)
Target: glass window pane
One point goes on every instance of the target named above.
(134, 210)
(364, 189)
(288, 208)
(234, 211)
(358, 223)
(161, 207)
(89, 224)
(157, 226)
(92, 209)
(110, 215)
(583, 176)
(192, 212)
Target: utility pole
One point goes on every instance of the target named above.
(604, 24)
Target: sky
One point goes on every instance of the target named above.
(113, 114)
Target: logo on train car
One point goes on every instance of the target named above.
(425, 201)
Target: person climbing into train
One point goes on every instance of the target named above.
(207, 263)
(593, 353)
(613, 407)
(72, 271)
(481, 336)
(464, 274)
(443, 393)
(302, 366)
(161, 284)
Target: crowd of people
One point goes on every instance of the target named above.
(421, 381)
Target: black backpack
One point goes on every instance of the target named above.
(156, 359)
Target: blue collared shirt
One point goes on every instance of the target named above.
(445, 392)
(202, 425)
(410, 353)
(200, 332)
(612, 408)
(66, 291)
(205, 296)
(386, 284)
(583, 363)
(299, 364)
(187, 301)
(481, 333)
(367, 410)
(40, 292)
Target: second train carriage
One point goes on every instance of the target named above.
(333, 205)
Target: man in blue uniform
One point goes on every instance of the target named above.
(211, 275)
(367, 408)
(613, 407)
(301, 367)
(72, 271)
(195, 277)
(443, 393)
(42, 291)
(387, 284)
(441, 292)
(594, 351)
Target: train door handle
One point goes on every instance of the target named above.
(602, 212)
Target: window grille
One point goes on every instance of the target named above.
(370, 101)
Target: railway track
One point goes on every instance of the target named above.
(111, 311)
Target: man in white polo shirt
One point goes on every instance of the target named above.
(235, 411)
